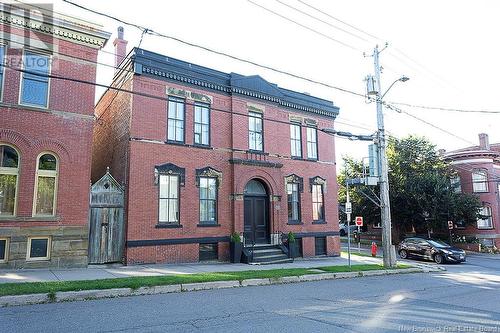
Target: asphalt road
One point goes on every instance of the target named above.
(465, 298)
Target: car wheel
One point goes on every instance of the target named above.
(342, 232)
(403, 254)
(438, 258)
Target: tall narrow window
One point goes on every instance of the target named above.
(485, 221)
(293, 195)
(255, 131)
(312, 143)
(480, 180)
(2, 62)
(202, 124)
(46, 185)
(456, 185)
(317, 201)
(169, 199)
(295, 141)
(208, 200)
(175, 131)
(35, 81)
(9, 172)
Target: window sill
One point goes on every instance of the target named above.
(486, 228)
(295, 223)
(208, 225)
(168, 226)
(258, 152)
(196, 145)
(179, 143)
(299, 158)
(312, 159)
(319, 222)
(29, 219)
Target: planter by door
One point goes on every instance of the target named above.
(293, 249)
(235, 250)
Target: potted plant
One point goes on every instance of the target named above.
(293, 245)
(235, 248)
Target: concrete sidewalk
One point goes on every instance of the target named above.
(118, 271)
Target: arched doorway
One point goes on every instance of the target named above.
(256, 213)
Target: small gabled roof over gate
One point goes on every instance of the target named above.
(106, 192)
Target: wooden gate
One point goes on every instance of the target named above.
(107, 227)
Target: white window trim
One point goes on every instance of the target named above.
(2, 82)
(490, 218)
(46, 173)
(49, 71)
(8, 171)
(28, 250)
(315, 131)
(486, 181)
(293, 139)
(6, 254)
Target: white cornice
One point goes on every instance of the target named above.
(473, 160)
(67, 28)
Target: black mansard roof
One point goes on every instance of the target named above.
(170, 69)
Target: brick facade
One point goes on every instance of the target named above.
(485, 157)
(63, 129)
(131, 138)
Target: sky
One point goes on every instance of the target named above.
(449, 49)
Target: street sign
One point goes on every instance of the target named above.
(348, 208)
(359, 221)
(450, 225)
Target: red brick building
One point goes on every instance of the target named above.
(478, 169)
(203, 154)
(45, 137)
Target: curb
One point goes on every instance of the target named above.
(68, 296)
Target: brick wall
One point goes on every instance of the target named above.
(64, 129)
(145, 119)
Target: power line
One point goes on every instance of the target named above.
(322, 21)
(339, 20)
(305, 26)
(205, 48)
(445, 109)
(324, 130)
(399, 110)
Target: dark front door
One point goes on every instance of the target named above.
(256, 219)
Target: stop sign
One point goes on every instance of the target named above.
(359, 221)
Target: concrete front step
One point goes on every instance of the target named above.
(280, 261)
(270, 258)
(265, 253)
(269, 254)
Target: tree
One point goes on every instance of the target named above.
(421, 194)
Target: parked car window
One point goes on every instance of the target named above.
(437, 243)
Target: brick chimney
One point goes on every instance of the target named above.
(484, 142)
(120, 47)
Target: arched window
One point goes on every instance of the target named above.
(9, 174)
(46, 185)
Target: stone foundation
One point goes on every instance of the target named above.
(68, 248)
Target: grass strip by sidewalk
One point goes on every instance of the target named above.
(356, 253)
(24, 288)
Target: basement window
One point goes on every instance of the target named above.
(209, 252)
(4, 249)
(38, 248)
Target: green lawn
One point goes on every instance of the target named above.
(149, 281)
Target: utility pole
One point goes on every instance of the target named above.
(385, 206)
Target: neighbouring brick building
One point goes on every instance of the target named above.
(202, 154)
(45, 136)
(478, 169)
